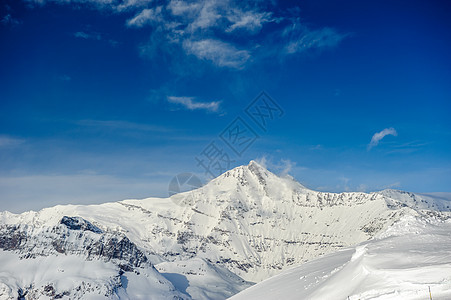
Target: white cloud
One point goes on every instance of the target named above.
(146, 17)
(208, 16)
(316, 147)
(219, 53)
(302, 38)
(88, 36)
(182, 8)
(205, 29)
(132, 4)
(96, 36)
(380, 135)
(248, 20)
(189, 103)
(225, 15)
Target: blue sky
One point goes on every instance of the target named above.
(102, 100)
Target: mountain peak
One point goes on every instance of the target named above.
(245, 172)
(253, 163)
(254, 179)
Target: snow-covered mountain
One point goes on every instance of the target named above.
(76, 260)
(244, 226)
(412, 260)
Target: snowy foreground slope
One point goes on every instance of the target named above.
(211, 243)
(403, 263)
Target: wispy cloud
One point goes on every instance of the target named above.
(88, 36)
(226, 34)
(8, 19)
(189, 103)
(316, 147)
(95, 36)
(380, 135)
(302, 38)
(219, 53)
(145, 17)
(251, 21)
(204, 29)
(283, 167)
(128, 5)
(7, 141)
(408, 147)
(183, 8)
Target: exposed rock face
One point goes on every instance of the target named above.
(77, 223)
(78, 238)
(74, 235)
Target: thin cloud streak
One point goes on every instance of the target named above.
(145, 17)
(189, 103)
(305, 39)
(248, 20)
(7, 141)
(378, 136)
(88, 36)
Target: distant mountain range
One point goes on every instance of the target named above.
(242, 227)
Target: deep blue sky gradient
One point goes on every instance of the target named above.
(88, 119)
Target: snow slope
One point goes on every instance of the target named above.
(201, 279)
(246, 225)
(401, 263)
(73, 277)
